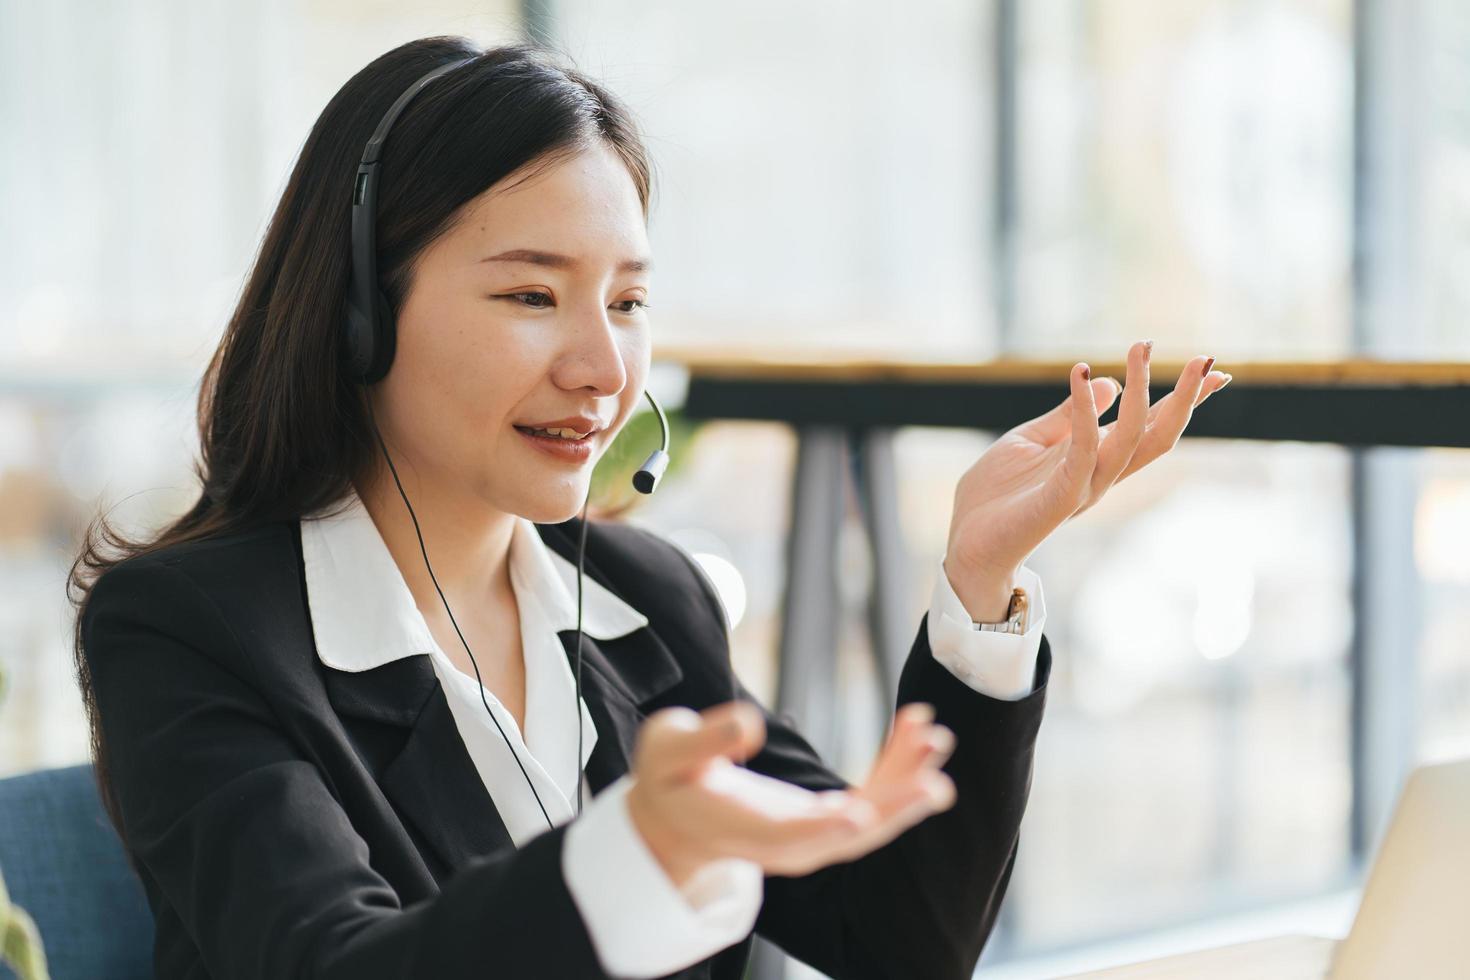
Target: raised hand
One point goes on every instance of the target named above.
(692, 804)
(1057, 465)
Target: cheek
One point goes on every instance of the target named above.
(455, 387)
(632, 400)
(475, 357)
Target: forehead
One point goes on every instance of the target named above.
(585, 202)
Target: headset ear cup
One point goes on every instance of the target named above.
(385, 337)
(358, 341)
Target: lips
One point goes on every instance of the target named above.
(569, 450)
(578, 423)
(550, 429)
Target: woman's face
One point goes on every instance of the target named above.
(526, 313)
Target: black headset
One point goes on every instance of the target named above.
(370, 342)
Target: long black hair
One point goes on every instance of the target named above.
(282, 430)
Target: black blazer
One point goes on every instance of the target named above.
(291, 820)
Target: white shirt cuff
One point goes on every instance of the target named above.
(1001, 665)
(640, 922)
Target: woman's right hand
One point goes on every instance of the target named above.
(692, 804)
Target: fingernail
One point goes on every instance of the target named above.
(943, 739)
(941, 790)
(1208, 364)
(1086, 372)
(1227, 380)
(1148, 349)
(922, 711)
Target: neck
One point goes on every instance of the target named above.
(468, 543)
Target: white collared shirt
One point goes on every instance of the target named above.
(363, 616)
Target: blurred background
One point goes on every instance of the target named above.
(946, 179)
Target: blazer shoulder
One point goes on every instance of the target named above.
(235, 551)
(654, 571)
(238, 550)
(237, 582)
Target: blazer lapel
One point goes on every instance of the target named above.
(619, 677)
(431, 780)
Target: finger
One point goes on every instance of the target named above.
(909, 718)
(1196, 383)
(745, 720)
(915, 743)
(676, 742)
(1215, 385)
(1056, 424)
(1191, 383)
(804, 855)
(927, 791)
(747, 814)
(895, 784)
(1084, 418)
(900, 807)
(1216, 381)
(1116, 450)
(924, 747)
(930, 791)
(1068, 483)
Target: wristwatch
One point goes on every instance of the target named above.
(1016, 616)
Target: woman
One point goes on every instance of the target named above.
(286, 714)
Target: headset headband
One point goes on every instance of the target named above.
(370, 335)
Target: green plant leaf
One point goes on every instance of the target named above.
(612, 480)
(20, 941)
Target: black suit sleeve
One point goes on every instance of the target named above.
(923, 904)
(236, 827)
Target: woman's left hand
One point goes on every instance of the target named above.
(1042, 472)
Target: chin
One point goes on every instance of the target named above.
(555, 508)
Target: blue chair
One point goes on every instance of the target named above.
(64, 864)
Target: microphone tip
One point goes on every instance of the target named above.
(648, 475)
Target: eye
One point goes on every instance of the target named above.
(541, 301)
(521, 298)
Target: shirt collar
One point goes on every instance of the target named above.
(363, 614)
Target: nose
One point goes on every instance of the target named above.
(594, 358)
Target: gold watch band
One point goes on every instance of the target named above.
(1016, 615)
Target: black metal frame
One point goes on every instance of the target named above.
(1356, 415)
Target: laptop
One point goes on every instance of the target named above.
(1414, 918)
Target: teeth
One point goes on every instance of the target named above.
(560, 433)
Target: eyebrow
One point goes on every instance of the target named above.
(552, 260)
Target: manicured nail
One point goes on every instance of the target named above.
(1208, 364)
(1086, 372)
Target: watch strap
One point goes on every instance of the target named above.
(1016, 615)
